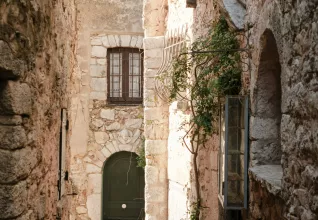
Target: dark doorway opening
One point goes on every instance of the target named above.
(123, 188)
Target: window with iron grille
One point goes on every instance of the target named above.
(124, 76)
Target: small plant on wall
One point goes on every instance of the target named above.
(202, 77)
(141, 158)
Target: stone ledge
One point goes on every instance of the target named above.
(269, 176)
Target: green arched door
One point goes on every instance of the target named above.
(123, 188)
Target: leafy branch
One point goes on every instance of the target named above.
(202, 79)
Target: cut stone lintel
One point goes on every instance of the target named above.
(270, 176)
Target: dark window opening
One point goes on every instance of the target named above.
(267, 102)
(124, 76)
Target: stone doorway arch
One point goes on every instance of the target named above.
(123, 188)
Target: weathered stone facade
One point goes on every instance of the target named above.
(111, 130)
(36, 60)
(53, 55)
(100, 129)
(292, 26)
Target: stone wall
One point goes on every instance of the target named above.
(294, 28)
(156, 135)
(99, 129)
(36, 59)
(111, 129)
(265, 205)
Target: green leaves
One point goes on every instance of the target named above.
(141, 158)
(207, 76)
(211, 71)
(216, 73)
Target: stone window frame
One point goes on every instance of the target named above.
(100, 44)
(125, 99)
(265, 123)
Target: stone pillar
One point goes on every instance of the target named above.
(156, 114)
(156, 120)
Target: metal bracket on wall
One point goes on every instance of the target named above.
(245, 50)
(175, 41)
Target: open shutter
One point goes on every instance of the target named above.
(233, 154)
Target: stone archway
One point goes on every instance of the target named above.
(123, 187)
(266, 103)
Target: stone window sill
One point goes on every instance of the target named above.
(269, 176)
(125, 105)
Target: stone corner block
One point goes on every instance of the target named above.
(153, 42)
(155, 147)
(98, 70)
(140, 42)
(98, 84)
(98, 95)
(155, 194)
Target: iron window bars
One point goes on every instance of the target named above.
(233, 153)
(124, 76)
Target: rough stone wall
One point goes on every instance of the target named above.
(294, 26)
(36, 59)
(100, 129)
(266, 206)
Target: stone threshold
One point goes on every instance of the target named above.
(270, 176)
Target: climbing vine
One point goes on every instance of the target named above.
(141, 158)
(202, 78)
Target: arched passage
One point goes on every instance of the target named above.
(267, 103)
(123, 187)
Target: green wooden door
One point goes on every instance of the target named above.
(123, 188)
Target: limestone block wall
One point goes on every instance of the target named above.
(267, 206)
(111, 128)
(156, 116)
(294, 26)
(36, 60)
(100, 129)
